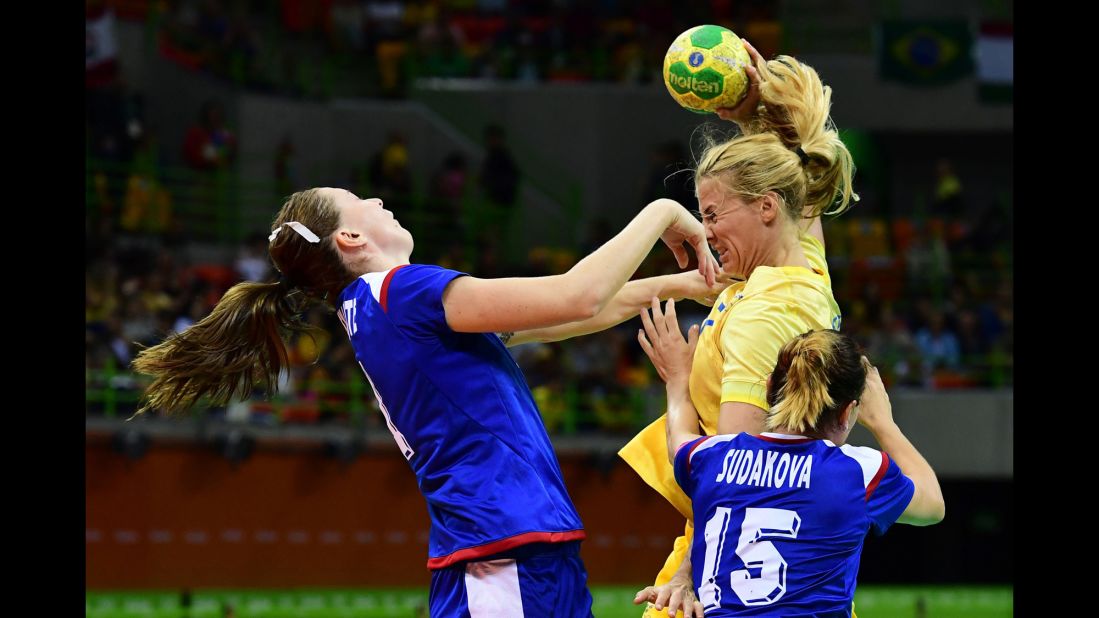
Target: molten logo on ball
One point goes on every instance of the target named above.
(705, 84)
(704, 69)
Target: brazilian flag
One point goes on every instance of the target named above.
(925, 53)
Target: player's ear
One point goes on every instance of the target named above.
(348, 240)
(769, 206)
(848, 415)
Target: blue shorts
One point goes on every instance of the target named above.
(540, 580)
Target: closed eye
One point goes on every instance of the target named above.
(708, 217)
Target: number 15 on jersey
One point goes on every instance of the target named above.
(757, 553)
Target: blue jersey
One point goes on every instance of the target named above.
(780, 520)
(462, 415)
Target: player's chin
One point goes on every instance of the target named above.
(729, 269)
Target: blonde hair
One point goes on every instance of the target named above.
(793, 114)
(817, 374)
(243, 341)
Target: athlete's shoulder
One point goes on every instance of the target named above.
(408, 283)
(706, 443)
(869, 462)
(423, 275)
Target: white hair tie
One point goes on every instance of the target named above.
(305, 232)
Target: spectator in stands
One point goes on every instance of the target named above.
(252, 263)
(444, 57)
(441, 47)
(387, 34)
(997, 316)
(499, 181)
(969, 336)
(195, 310)
(346, 20)
(210, 145)
(993, 229)
(390, 173)
(213, 28)
(243, 47)
(948, 191)
(157, 295)
(938, 346)
(118, 341)
(147, 204)
(101, 68)
(528, 69)
(629, 60)
(213, 20)
(927, 260)
(448, 190)
(285, 176)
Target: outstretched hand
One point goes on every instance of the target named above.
(746, 109)
(686, 230)
(675, 596)
(696, 289)
(662, 341)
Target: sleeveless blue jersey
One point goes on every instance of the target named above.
(780, 520)
(461, 413)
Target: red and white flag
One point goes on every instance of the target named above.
(995, 61)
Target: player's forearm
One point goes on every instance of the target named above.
(598, 277)
(928, 506)
(683, 573)
(681, 425)
(626, 304)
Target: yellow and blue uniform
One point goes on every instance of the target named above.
(784, 520)
(737, 347)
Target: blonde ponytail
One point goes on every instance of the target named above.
(816, 375)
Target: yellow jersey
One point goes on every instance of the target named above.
(738, 346)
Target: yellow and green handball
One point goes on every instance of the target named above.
(705, 68)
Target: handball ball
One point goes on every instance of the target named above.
(705, 68)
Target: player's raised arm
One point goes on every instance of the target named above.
(876, 414)
(632, 298)
(671, 354)
(520, 303)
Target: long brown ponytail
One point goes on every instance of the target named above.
(242, 343)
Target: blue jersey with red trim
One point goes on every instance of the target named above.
(780, 520)
(461, 413)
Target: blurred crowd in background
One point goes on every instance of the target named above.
(929, 295)
(271, 46)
